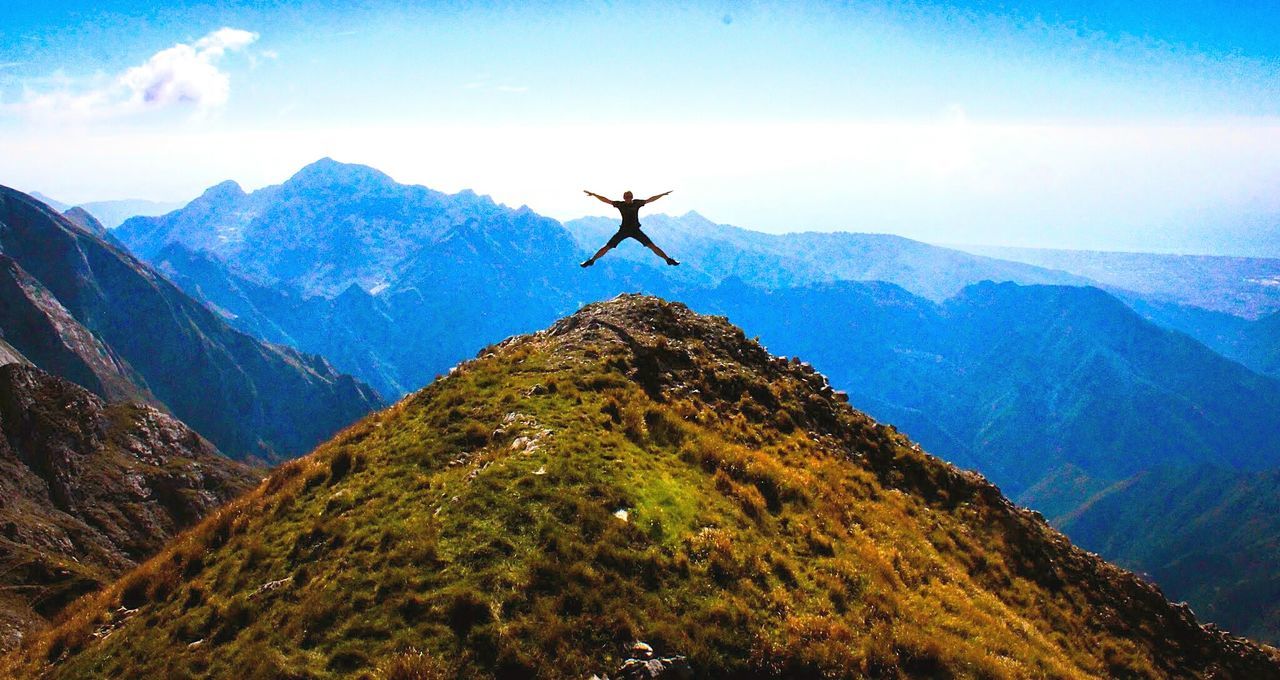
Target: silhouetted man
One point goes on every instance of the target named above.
(630, 227)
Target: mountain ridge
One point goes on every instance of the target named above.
(248, 397)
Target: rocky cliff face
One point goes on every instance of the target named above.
(84, 308)
(9, 355)
(33, 319)
(88, 488)
(636, 471)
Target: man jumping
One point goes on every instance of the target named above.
(630, 227)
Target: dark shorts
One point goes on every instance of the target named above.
(629, 232)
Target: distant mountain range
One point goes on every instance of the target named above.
(112, 214)
(1056, 392)
(719, 251)
(1247, 287)
(342, 251)
(81, 307)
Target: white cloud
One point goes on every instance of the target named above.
(485, 83)
(185, 75)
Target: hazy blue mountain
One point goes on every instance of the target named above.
(1247, 287)
(1207, 535)
(711, 252)
(392, 283)
(57, 205)
(91, 304)
(1254, 343)
(396, 283)
(1019, 381)
(334, 225)
(1260, 344)
(113, 213)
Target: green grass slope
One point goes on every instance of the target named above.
(769, 531)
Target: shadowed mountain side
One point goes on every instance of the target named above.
(83, 219)
(634, 471)
(712, 252)
(1255, 344)
(474, 285)
(37, 325)
(1025, 378)
(1206, 535)
(249, 398)
(1262, 344)
(87, 489)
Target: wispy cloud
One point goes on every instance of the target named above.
(182, 76)
(10, 64)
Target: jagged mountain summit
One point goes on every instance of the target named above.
(89, 488)
(81, 307)
(336, 225)
(635, 471)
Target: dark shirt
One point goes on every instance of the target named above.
(630, 212)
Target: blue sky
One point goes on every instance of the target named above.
(1138, 125)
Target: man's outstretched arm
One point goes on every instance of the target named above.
(654, 198)
(598, 197)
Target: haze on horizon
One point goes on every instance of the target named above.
(1140, 126)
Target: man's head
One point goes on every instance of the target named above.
(627, 195)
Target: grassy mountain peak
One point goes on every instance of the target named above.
(634, 471)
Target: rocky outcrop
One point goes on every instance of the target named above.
(88, 488)
(9, 355)
(642, 664)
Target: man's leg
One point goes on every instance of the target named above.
(644, 238)
(613, 243)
